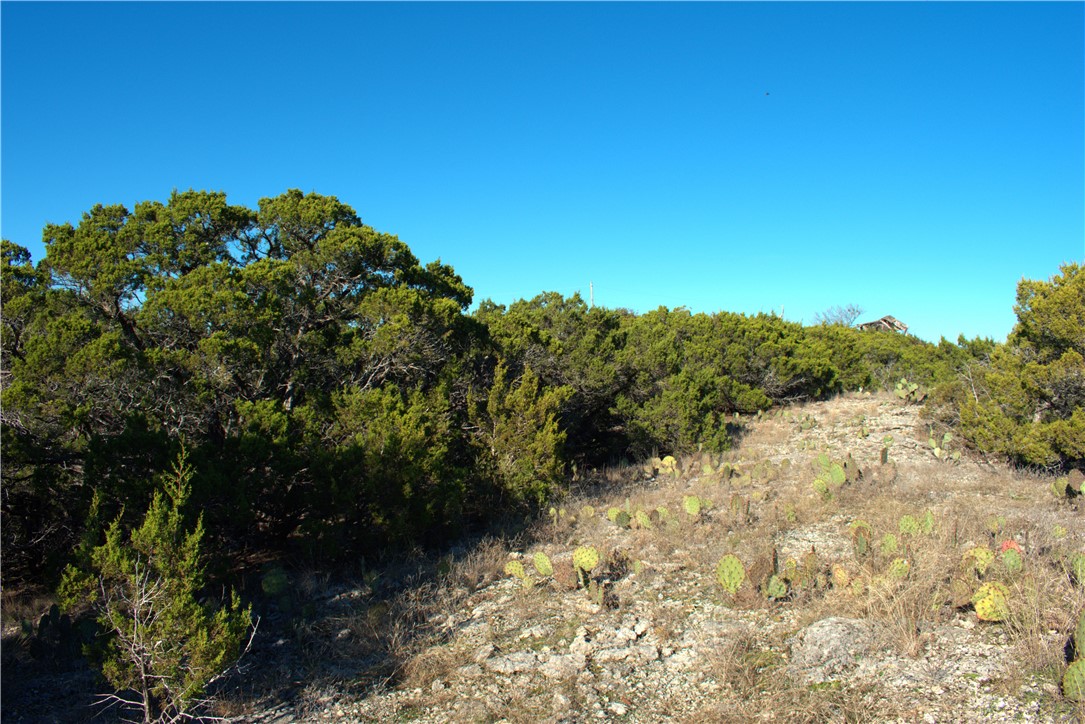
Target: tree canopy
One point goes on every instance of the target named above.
(336, 396)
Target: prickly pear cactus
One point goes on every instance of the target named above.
(1077, 567)
(927, 523)
(992, 602)
(775, 588)
(644, 520)
(1073, 681)
(851, 469)
(890, 544)
(668, 466)
(585, 558)
(730, 573)
(908, 525)
(587, 511)
(275, 582)
(836, 474)
(861, 534)
(542, 564)
(840, 576)
(978, 558)
(899, 568)
(516, 569)
(692, 505)
(1012, 561)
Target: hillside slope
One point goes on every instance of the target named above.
(846, 634)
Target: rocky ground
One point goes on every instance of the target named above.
(853, 635)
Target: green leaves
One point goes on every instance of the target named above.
(1026, 401)
(160, 641)
(519, 430)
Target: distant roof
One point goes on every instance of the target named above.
(888, 322)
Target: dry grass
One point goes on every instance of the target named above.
(747, 678)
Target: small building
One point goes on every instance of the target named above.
(887, 323)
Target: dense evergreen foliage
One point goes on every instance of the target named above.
(336, 397)
(1025, 400)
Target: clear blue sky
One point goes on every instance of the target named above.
(914, 159)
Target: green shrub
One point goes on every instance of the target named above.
(162, 646)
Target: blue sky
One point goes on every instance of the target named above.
(915, 159)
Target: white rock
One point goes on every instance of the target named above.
(618, 708)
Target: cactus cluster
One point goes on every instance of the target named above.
(618, 517)
(1068, 486)
(978, 558)
(516, 570)
(831, 474)
(910, 391)
(941, 448)
(992, 599)
(910, 525)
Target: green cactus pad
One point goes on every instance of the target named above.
(836, 474)
(840, 576)
(927, 523)
(992, 602)
(1073, 681)
(899, 568)
(860, 538)
(730, 573)
(978, 558)
(1077, 567)
(587, 511)
(890, 544)
(908, 525)
(1079, 636)
(692, 505)
(1012, 561)
(644, 520)
(275, 582)
(515, 568)
(585, 558)
(775, 588)
(623, 519)
(542, 564)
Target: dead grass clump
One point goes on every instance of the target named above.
(760, 688)
(482, 565)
